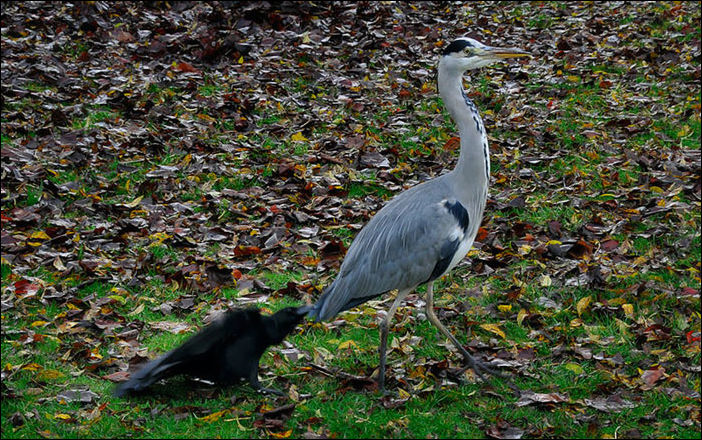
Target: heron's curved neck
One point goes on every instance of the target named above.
(474, 161)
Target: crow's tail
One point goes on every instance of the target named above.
(147, 375)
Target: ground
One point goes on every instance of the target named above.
(164, 162)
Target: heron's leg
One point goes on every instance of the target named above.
(384, 326)
(471, 362)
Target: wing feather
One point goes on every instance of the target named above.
(399, 248)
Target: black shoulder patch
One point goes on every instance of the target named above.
(446, 254)
(457, 46)
(459, 212)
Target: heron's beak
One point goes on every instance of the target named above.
(505, 52)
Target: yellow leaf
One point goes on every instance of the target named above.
(214, 416)
(158, 238)
(573, 78)
(62, 416)
(206, 117)
(628, 309)
(58, 264)
(240, 60)
(583, 304)
(404, 395)
(139, 309)
(32, 367)
(49, 375)
(118, 298)
(546, 281)
(494, 329)
(40, 235)
(521, 315)
(186, 160)
(575, 368)
(616, 301)
(134, 202)
(298, 137)
(524, 249)
(504, 307)
(94, 354)
(284, 434)
(39, 323)
(346, 344)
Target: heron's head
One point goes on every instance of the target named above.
(466, 54)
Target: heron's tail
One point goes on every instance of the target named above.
(336, 299)
(318, 307)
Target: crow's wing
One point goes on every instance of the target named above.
(199, 354)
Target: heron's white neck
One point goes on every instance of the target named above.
(473, 167)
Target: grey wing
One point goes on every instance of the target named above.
(410, 241)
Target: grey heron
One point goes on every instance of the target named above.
(423, 232)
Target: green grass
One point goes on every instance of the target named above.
(611, 130)
(33, 194)
(276, 280)
(96, 114)
(357, 190)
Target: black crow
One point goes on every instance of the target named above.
(225, 351)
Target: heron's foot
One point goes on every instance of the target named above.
(383, 392)
(479, 367)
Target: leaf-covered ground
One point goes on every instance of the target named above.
(163, 162)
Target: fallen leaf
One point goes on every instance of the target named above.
(134, 202)
(650, 377)
(284, 434)
(610, 404)
(521, 315)
(530, 397)
(575, 368)
(298, 137)
(494, 328)
(583, 304)
(628, 310)
(80, 395)
(215, 416)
